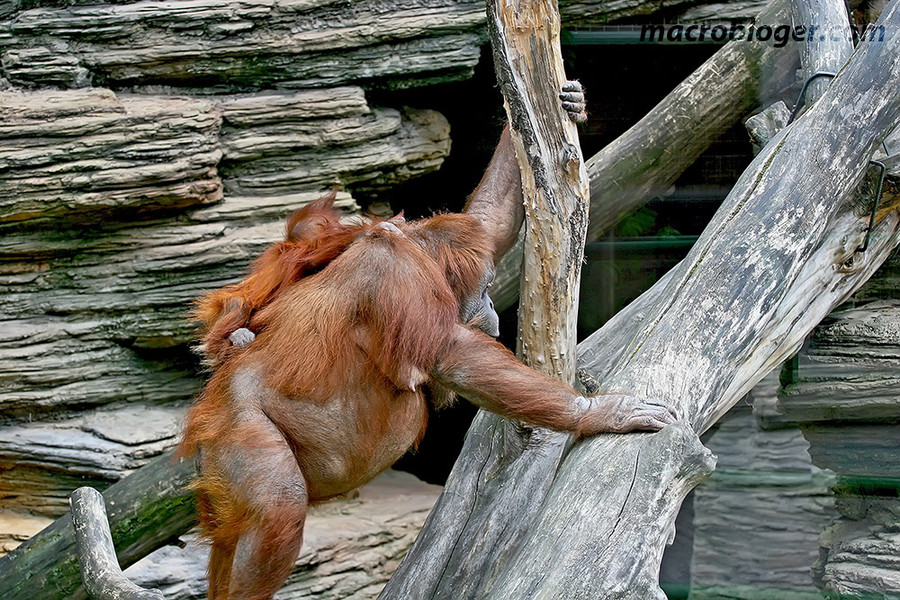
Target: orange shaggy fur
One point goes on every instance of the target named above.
(314, 237)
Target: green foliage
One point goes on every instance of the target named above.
(667, 231)
(643, 223)
(638, 223)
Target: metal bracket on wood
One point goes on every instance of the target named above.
(801, 99)
(878, 191)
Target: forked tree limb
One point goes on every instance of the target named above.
(147, 509)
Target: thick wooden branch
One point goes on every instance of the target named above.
(645, 161)
(528, 62)
(612, 535)
(103, 578)
(147, 509)
(778, 256)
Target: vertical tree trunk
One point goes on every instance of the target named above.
(828, 43)
(529, 67)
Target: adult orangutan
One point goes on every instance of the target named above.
(331, 391)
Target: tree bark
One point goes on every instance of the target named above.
(147, 510)
(777, 257)
(645, 161)
(528, 62)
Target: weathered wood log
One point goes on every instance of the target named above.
(443, 559)
(827, 45)
(717, 12)
(146, 510)
(778, 256)
(783, 248)
(100, 571)
(645, 161)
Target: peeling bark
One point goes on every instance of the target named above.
(529, 67)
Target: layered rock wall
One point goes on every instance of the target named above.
(846, 395)
(148, 151)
